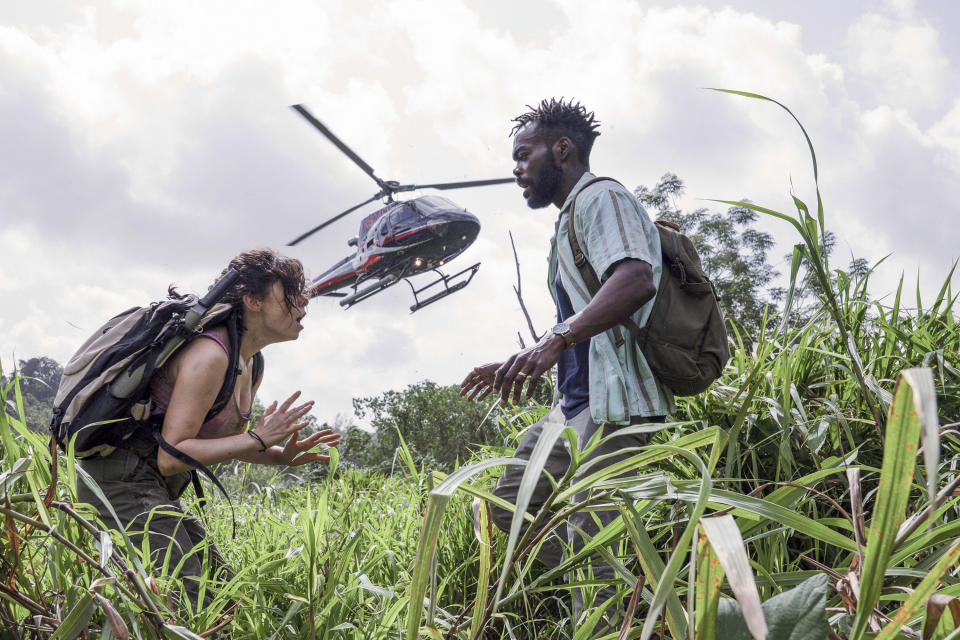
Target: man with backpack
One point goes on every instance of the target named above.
(604, 381)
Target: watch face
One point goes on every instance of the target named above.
(561, 328)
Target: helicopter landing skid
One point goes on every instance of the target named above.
(366, 292)
(448, 288)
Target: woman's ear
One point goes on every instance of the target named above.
(252, 302)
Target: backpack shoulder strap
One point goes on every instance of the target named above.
(580, 260)
(586, 270)
(233, 369)
(257, 368)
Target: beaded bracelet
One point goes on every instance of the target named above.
(258, 439)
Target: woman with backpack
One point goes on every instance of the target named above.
(145, 476)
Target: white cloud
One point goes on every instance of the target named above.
(946, 134)
(900, 57)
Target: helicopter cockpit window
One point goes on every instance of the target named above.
(431, 205)
(405, 217)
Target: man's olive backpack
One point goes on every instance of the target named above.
(684, 340)
(104, 394)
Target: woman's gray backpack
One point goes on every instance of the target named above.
(104, 395)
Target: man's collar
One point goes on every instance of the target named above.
(586, 177)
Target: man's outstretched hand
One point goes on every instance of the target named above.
(509, 377)
(479, 381)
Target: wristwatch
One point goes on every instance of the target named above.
(563, 330)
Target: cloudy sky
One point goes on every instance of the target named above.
(147, 143)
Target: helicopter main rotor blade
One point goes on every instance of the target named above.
(299, 108)
(331, 220)
(455, 185)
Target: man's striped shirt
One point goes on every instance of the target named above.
(611, 226)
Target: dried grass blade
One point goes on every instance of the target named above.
(936, 605)
(724, 536)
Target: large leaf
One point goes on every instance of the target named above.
(797, 614)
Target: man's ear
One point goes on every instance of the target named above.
(564, 150)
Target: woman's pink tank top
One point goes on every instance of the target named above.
(230, 421)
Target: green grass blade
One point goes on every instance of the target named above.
(757, 96)
(682, 549)
(896, 476)
(653, 568)
(77, 619)
(916, 600)
(482, 527)
(925, 404)
(708, 582)
(430, 533)
(531, 476)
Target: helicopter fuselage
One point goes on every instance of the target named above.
(401, 240)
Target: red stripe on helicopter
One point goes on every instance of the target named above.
(373, 259)
(413, 231)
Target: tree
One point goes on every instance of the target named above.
(733, 253)
(356, 448)
(38, 380)
(40, 377)
(435, 422)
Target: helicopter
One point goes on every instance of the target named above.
(402, 239)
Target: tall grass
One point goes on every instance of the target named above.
(810, 492)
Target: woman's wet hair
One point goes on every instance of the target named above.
(259, 269)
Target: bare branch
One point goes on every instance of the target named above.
(517, 290)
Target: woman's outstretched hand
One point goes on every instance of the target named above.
(277, 424)
(280, 425)
(296, 452)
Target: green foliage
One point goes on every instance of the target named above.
(39, 379)
(437, 424)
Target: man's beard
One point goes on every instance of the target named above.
(543, 189)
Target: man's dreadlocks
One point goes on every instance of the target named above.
(555, 118)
